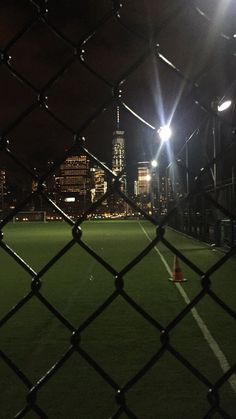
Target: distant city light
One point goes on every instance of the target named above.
(148, 178)
(164, 133)
(224, 105)
(154, 163)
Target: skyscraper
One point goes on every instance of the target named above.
(74, 174)
(99, 188)
(116, 203)
(142, 186)
(118, 151)
(144, 177)
(73, 183)
(99, 183)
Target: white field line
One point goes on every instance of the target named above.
(220, 356)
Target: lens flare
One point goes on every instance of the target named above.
(164, 133)
(224, 105)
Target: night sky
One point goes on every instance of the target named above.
(43, 46)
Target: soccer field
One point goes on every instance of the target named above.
(121, 347)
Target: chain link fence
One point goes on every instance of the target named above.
(79, 52)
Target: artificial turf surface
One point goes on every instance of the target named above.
(119, 340)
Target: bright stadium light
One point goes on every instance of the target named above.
(154, 163)
(222, 106)
(164, 133)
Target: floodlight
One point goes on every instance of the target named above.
(164, 133)
(154, 163)
(224, 105)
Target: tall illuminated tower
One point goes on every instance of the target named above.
(142, 186)
(99, 183)
(144, 178)
(118, 151)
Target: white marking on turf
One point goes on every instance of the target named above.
(220, 356)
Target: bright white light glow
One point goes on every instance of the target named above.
(154, 163)
(224, 105)
(148, 178)
(70, 199)
(164, 133)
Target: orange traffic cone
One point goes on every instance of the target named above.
(177, 275)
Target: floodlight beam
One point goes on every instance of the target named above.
(164, 133)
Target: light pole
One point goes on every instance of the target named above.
(218, 106)
(2, 194)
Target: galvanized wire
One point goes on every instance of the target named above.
(41, 98)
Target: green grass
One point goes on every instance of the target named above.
(120, 340)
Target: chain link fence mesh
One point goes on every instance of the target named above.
(34, 92)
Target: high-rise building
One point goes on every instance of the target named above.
(135, 188)
(73, 182)
(144, 177)
(163, 195)
(142, 186)
(116, 203)
(99, 182)
(99, 188)
(118, 151)
(153, 190)
(74, 174)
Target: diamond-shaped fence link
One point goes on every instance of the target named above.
(74, 53)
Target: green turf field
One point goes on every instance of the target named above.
(120, 340)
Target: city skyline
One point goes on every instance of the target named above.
(41, 137)
(78, 182)
(56, 90)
